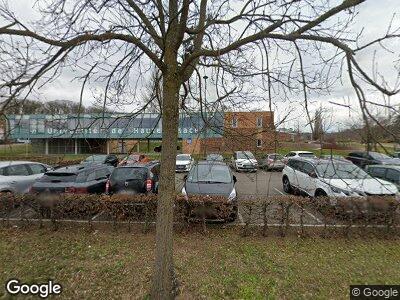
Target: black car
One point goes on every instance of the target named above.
(138, 178)
(212, 178)
(363, 158)
(77, 179)
(106, 159)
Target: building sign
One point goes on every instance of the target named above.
(110, 126)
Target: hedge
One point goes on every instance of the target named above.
(337, 214)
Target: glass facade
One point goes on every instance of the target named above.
(115, 126)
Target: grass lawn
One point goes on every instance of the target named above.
(105, 264)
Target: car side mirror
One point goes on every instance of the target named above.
(313, 175)
(185, 177)
(234, 179)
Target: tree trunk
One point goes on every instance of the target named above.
(163, 273)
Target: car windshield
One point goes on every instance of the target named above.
(245, 155)
(376, 155)
(335, 170)
(210, 173)
(183, 157)
(306, 154)
(96, 158)
(128, 173)
(214, 157)
(275, 156)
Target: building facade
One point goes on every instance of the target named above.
(120, 133)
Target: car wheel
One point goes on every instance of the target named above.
(320, 193)
(233, 215)
(287, 187)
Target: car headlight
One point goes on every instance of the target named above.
(339, 191)
(184, 193)
(232, 195)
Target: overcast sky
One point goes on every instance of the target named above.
(374, 17)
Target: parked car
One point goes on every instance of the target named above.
(18, 176)
(332, 178)
(244, 161)
(106, 159)
(389, 173)
(272, 161)
(212, 178)
(129, 159)
(396, 154)
(364, 158)
(215, 157)
(76, 179)
(297, 154)
(184, 162)
(134, 179)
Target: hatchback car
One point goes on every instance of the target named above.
(106, 159)
(76, 179)
(297, 154)
(363, 158)
(272, 161)
(212, 178)
(18, 176)
(244, 161)
(332, 178)
(184, 162)
(134, 179)
(396, 154)
(389, 173)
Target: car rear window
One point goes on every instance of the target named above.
(128, 173)
(58, 177)
(306, 154)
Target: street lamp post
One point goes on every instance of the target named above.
(205, 77)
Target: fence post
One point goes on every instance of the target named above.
(265, 218)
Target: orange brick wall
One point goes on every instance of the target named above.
(243, 137)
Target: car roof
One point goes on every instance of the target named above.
(316, 161)
(78, 168)
(298, 152)
(397, 167)
(17, 162)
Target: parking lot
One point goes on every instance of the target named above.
(263, 183)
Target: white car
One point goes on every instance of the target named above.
(244, 161)
(184, 162)
(18, 176)
(297, 154)
(318, 178)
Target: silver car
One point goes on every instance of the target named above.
(18, 176)
(273, 161)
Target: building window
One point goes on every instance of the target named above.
(259, 143)
(234, 122)
(259, 121)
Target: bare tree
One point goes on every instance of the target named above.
(244, 45)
